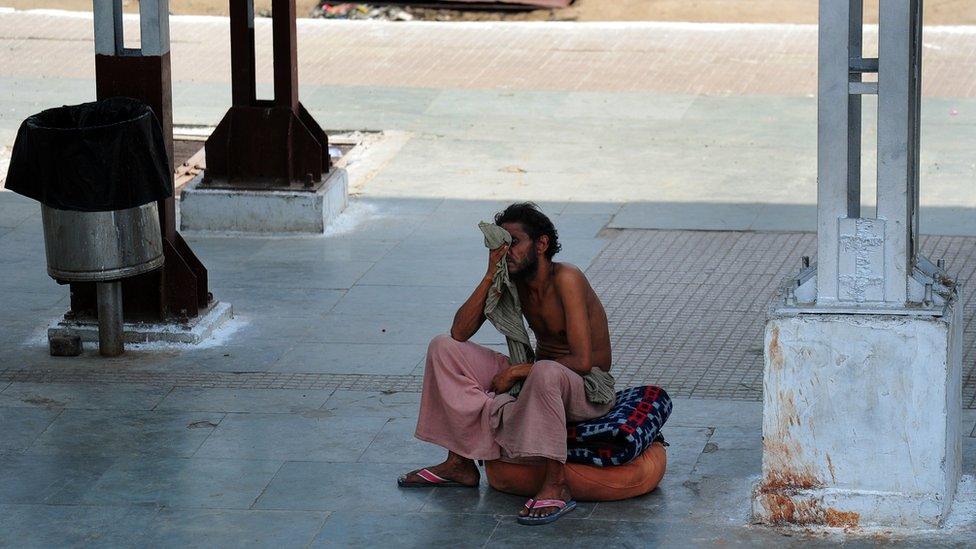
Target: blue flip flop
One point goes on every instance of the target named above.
(564, 507)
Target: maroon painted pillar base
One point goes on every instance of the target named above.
(266, 144)
(179, 290)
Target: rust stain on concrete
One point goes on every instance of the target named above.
(788, 480)
(841, 519)
(775, 350)
(784, 508)
(830, 466)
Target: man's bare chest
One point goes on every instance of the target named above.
(546, 316)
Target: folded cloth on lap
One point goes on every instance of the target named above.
(625, 432)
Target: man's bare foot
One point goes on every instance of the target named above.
(456, 468)
(558, 491)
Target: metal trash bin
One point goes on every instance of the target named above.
(98, 170)
(102, 246)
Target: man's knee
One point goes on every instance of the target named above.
(440, 344)
(441, 350)
(547, 372)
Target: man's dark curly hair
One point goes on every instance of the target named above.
(533, 221)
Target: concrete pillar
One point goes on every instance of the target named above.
(863, 351)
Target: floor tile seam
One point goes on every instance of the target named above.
(318, 531)
(373, 441)
(268, 484)
(329, 398)
(414, 284)
(162, 398)
(167, 507)
(291, 348)
(210, 434)
(153, 506)
(491, 534)
(85, 408)
(37, 437)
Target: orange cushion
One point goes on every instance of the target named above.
(586, 482)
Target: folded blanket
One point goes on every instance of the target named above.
(625, 432)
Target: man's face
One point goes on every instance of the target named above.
(523, 254)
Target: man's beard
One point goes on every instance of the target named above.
(528, 268)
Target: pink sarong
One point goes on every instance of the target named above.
(458, 413)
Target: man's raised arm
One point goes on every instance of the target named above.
(471, 315)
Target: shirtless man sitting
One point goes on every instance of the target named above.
(465, 408)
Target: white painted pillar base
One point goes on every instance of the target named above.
(861, 419)
(264, 212)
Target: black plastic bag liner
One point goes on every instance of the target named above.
(106, 155)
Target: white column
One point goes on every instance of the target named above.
(838, 143)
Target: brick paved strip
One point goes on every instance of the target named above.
(255, 380)
(687, 308)
(663, 57)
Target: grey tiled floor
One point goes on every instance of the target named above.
(292, 430)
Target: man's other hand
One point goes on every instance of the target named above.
(505, 379)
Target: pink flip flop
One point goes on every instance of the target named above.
(563, 506)
(431, 481)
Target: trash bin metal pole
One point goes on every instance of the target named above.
(110, 341)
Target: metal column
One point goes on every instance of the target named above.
(260, 144)
(180, 289)
(863, 261)
(839, 135)
(899, 102)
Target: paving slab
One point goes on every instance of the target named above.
(279, 302)
(484, 501)
(83, 396)
(463, 272)
(395, 443)
(307, 435)
(385, 404)
(55, 479)
(182, 483)
(22, 426)
(207, 528)
(379, 329)
(124, 433)
(223, 400)
(344, 529)
(242, 353)
(345, 358)
(45, 526)
(348, 487)
(296, 274)
(403, 300)
(575, 531)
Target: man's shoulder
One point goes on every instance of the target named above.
(567, 273)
